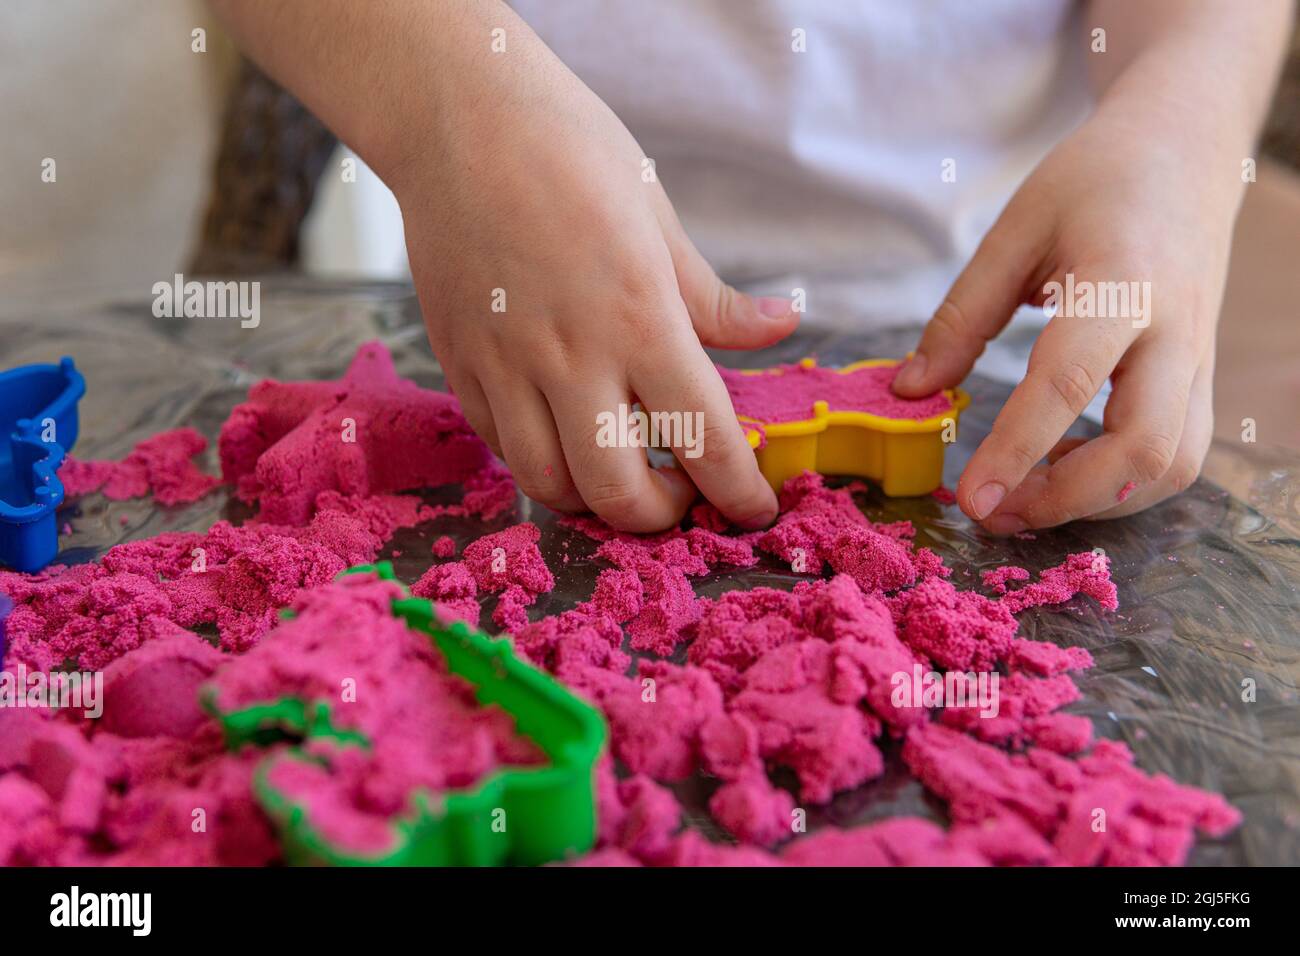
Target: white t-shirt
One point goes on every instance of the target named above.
(803, 142)
(861, 147)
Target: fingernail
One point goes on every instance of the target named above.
(1006, 524)
(986, 498)
(912, 372)
(772, 307)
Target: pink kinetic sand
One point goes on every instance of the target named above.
(368, 433)
(945, 496)
(160, 466)
(803, 680)
(1127, 490)
(386, 681)
(786, 393)
(124, 791)
(806, 679)
(153, 690)
(507, 563)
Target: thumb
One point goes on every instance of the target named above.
(977, 308)
(724, 317)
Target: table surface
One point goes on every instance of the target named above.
(1207, 581)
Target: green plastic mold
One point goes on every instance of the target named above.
(549, 810)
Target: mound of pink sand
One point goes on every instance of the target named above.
(368, 433)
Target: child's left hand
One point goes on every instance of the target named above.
(1113, 203)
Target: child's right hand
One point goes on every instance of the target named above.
(530, 195)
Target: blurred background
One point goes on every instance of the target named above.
(174, 154)
(168, 159)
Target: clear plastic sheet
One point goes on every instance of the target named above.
(1207, 581)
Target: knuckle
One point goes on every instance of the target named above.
(557, 361)
(1075, 385)
(636, 281)
(640, 322)
(1053, 505)
(1183, 472)
(950, 319)
(722, 300)
(727, 454)
(1048, 514)
(1138, 252)
(542, 494)
(726, 470)
(617, 502)
(609, 224)
(551, 490)
(485, 428)
(746, 506)
(1152, 455)
(1021, 455)
(552, 497)
(720, 443)
(586, 453)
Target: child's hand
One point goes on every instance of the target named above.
(557, 283)
(520, 189)
(1114, 203)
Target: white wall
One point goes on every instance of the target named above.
(113, 93)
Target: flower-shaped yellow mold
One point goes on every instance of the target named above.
(905, 456)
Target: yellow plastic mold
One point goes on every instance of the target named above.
(905, 456)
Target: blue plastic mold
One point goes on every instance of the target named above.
(38, 426)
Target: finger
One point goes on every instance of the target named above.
(710, 443)
(1145, 418)
(724, 317)
(1198, 432)
(1067, 367)
(979, 304)
(1063, 448)
(530, 443)
(616, 482)
(474, 405)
